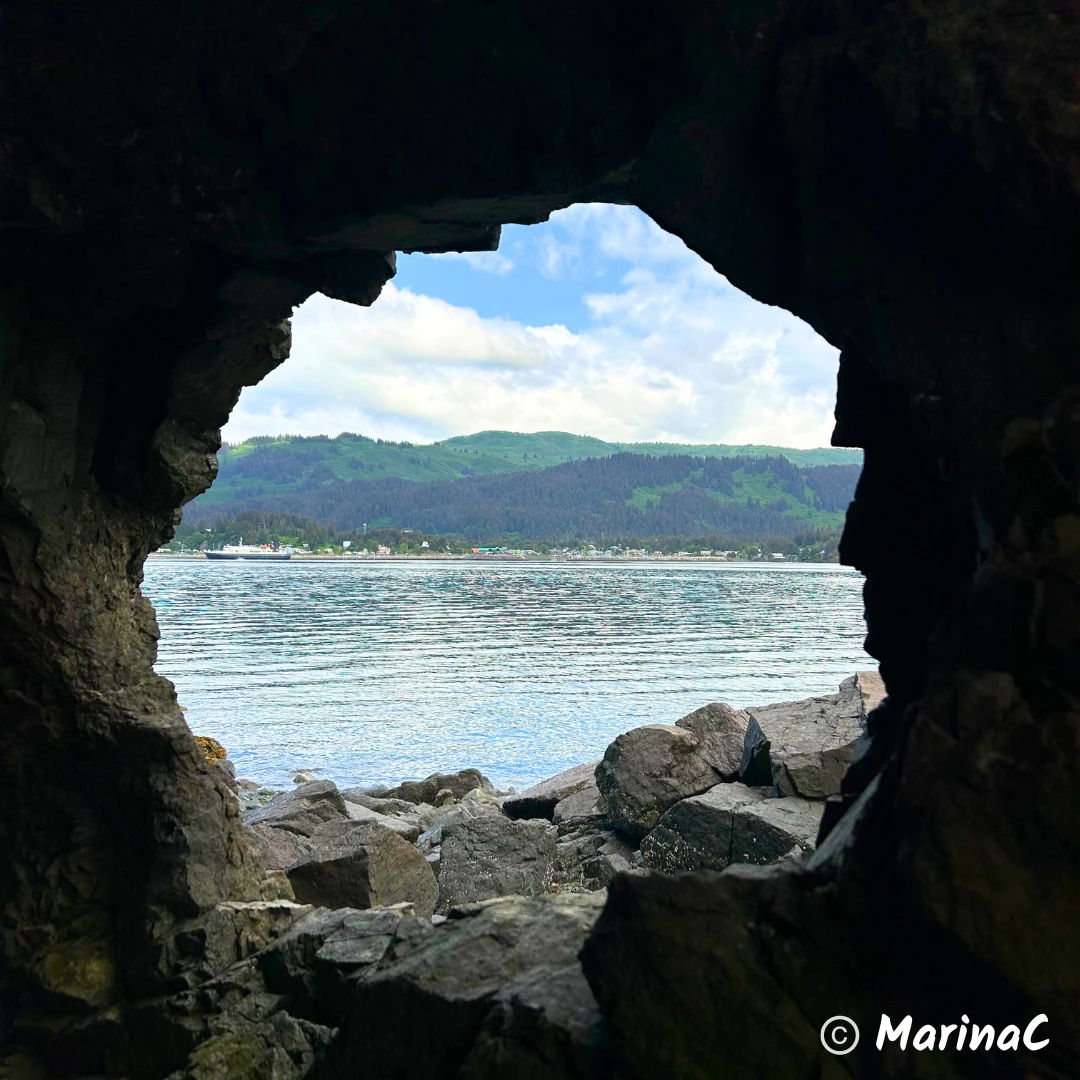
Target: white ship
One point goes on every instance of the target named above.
(261, 552)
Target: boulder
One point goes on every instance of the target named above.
(766, 831)
(648, 770)
(362, 865)
(302, 810)
(278, 848)
(540, 800)
(544, 1024)
(418, 791)
(588, 860)
(585, 803)
(804, 747)
(871, 688)
(406, 827)
(227, 771)
(475, 804)
(696, 833)
(379, 805)
(494, 987)
(721, 731)
(491, 855)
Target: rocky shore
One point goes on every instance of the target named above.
(465, 909)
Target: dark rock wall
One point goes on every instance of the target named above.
(175, 178)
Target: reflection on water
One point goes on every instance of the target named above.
(381, 672)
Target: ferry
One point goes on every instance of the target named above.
(263, 553)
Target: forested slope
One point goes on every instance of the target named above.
(278, 465)
(596, 499)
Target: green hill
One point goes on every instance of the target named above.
(618, 497)
(265, 467)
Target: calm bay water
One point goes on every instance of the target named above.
(379, 672)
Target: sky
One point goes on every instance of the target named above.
(596, 322)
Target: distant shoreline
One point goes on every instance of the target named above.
(542, 560)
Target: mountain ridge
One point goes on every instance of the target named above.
(271, 466)
(592, 499)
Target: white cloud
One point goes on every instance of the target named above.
(669, 351)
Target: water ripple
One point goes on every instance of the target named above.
(379, 672)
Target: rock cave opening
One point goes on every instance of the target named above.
(596, 320)
(903, 177)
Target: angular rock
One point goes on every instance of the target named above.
(422, 1014)
(491, 855)
(417, 791)
(303, 810)
(721, 731)
(810, 742)
(766, 831)
(354, 864)
(280, 1046)
(544, 1024)
(234, 930)
(586, 803)
(587, 860)
(379, 805)
(406, 827)
(647, 770)
(278, 848)
(871, 689)
(755, 766)
(540, 800)
(227, 770)
(696, 833)
(474, 804)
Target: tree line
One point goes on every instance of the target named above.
(588, 500)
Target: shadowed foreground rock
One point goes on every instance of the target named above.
(497, 985)
(696, 834)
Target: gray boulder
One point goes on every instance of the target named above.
(540, 800)
(804, 747)
(721, 732)
(362, 865)
(278, 848)
(404, 826)
(475, 804)
(424, 791)
(587, 860)
(493, 987)
(768, 830)
(544, 1024)
(380, 806)
(585, 804)
(491, 855)
(696, 833)
(302, 810)
(648, 770)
